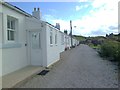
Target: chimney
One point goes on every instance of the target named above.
(57, 26)
(65, 31)
(34, 9)
(38, 9)
(37, 13)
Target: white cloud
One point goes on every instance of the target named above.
(96, 22)
(106, 15)
(86, 5)
(63, 24)
(78, 8)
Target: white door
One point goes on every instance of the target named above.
(35, 48)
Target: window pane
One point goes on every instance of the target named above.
(36, 40)
(56, 39)
(12, 33)
(8, 37)
(12, 24)
(51, 41)
(62, 39)
(8, 23)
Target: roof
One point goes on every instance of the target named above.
(21, 11)
(24, 13)
(53, 26)
(16, 9)
(57, 28)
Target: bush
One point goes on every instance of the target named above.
(95, 42)
(111, 49)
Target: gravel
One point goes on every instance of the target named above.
(80, 67)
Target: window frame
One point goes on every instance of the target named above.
(12, 26)
(55, 37)
(62, 39)
(51, 36)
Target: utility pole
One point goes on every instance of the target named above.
(71, 32)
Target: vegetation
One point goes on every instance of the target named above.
(81, 38)
(94, 46)
(113, 37)
(110, 49)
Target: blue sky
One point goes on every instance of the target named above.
(97, 17)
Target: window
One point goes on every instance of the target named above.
(56, 37)
(36, 44)
(11, 28)
(68, 40)
(62, 39)
(51, 39)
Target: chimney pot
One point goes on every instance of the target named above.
(38, 9)
(58, 26)
(34, 9)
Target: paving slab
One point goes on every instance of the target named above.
(19, 76)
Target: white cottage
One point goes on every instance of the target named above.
(27, 40)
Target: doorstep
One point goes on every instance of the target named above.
(17, 77)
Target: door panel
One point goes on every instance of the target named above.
(36, 52)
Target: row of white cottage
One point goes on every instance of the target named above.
(27, 40)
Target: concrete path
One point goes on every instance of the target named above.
(12, 79)
(80, 67)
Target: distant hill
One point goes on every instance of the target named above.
(81, 38)
(112, 36)
(115, 37)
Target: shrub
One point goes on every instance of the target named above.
(111, 49)
(95, 42)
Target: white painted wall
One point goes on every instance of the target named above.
(61, 42)
(52, 50)
(44, 45)
(0, 46)
(14, 58)
(1, 24)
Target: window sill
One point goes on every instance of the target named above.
(51, 45)
(11, 45)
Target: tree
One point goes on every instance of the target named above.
(107, 35)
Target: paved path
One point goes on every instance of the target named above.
(80, 67)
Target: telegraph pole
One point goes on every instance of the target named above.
(71, 32)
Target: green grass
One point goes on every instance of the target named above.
(95, 47)
(81, 38)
